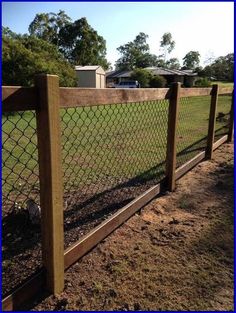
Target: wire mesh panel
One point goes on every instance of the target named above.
(111, 154)
(222, 115)
(21, 253)
(192, 127)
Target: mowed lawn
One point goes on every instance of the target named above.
(107, 144)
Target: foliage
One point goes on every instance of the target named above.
(173, 64)
(136, 54)
(77, 40)
(46, 26)
(221, 69)
(167, 44)
(191, 60)
(142, 76)
(82, 45)
(25, 56)
(157, 81)
(202, 82)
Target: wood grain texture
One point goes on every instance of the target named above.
(212, 121)
(194, 92)
(171, 136)
(50, 172)
(25, 292)
(225, 90)
(16, 98)
(75, 97)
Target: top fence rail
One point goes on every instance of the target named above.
(17, 98)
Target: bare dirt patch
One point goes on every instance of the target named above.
(175, 254)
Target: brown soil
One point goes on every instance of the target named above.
(175, 254)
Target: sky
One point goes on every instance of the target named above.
(207, 27)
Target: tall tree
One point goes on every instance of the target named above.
(221, 69)
(136, 54)
(46, 26)
(173, 64)
(24, 56)
(78, 41)
(167, 44)
(191, 60)
(82, 45)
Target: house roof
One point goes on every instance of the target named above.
(119, 73)
(153, 70)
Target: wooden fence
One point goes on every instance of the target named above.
(46, 98)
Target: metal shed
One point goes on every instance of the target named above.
(90, 76)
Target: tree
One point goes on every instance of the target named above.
(24, 56)
(173, 64)
(167, 44)
(221, 69)
(191, 60)
(78, 41)
(157, 81)
(142, 76)
(82, 45)
(46, 26)
(136, 54)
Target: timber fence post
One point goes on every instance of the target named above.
(50, 172)
(171, 135)
(212, 121)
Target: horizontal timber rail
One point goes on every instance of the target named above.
(72, 254)
(74, 97)
(17, 98)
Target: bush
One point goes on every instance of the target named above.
(202, 82)
(157, 82)
(142, 76)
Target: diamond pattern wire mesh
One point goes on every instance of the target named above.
(21, 253)
(111, 154)
(222, 115)
(192, 127)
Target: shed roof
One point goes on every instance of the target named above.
(96, 68)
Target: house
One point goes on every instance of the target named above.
(90, 76)
(185, 77)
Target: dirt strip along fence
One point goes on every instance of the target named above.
(77, 163)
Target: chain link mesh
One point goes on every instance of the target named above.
(222, 115)
(111, 154)
(192, 127)
(21, 253)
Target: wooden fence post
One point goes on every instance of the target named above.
(231, 120)
(212, 121)
(171, 135)
(51, 200)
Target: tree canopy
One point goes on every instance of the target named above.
(167, 44)
(191, 60)
(221, 69)
(136, 54)
(24, 56)
(78, 41)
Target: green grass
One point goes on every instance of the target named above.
(105, 145)
(223, 84)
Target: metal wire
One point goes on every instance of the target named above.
(192, 127)
(20, 178)
(222, 115)
(111, 154)
(21, 252)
